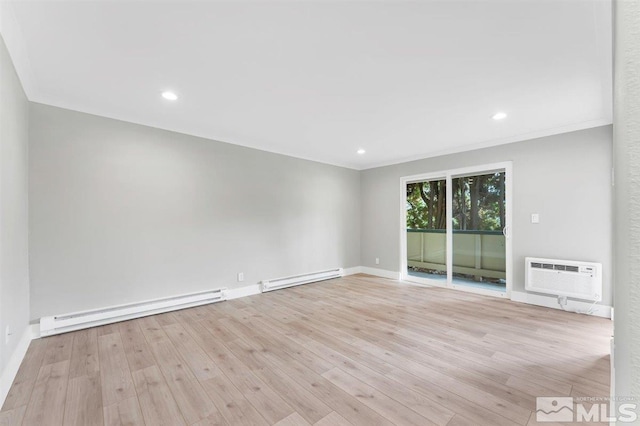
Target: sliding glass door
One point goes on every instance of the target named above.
(455, 229)
(479, 221)
(427, 229)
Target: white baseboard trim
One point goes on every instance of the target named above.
(236, 293)
(35, 331)
(382, 273)
(552, 302)
(351, 271)
(11, 369)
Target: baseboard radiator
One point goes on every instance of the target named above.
(78, 320)
(279, 283)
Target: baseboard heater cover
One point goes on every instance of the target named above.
(280, 283)
(78, 320)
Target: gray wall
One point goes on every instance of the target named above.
(121, 212)
(14, 255)
(627, 199)
(565, 178)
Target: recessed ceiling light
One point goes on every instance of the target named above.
(361, 151)
(170, 96)
(499, 116)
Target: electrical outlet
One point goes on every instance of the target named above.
(377, 260)
(240, 276)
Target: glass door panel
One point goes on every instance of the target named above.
(478, 222)
(427, 230)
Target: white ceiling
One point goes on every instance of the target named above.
(318, 80)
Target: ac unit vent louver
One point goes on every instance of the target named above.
(555, 267)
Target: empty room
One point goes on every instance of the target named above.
(330, 213)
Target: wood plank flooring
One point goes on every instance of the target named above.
(353, 351)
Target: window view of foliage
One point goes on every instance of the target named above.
(478, 203)
(426, 205)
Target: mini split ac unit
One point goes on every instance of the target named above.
(579, 280)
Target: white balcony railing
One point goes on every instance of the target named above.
(476, 253)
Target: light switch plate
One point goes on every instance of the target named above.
(535, 218)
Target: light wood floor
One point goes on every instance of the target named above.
(358, 350)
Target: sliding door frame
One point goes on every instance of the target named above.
(449, 175)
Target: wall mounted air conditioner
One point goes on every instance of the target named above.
(578, 280)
